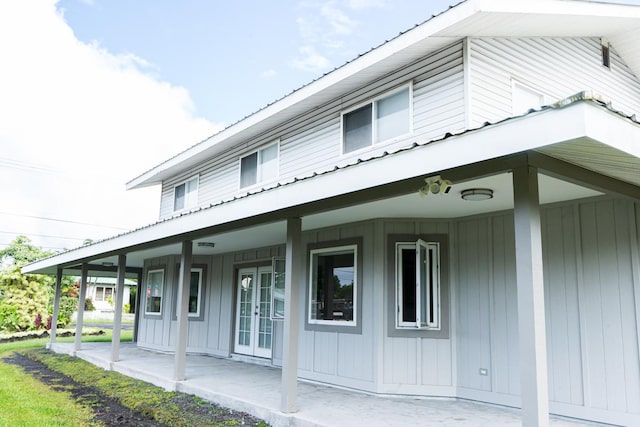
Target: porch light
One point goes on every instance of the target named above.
(435, 185)
(206, 245)
(477, 194)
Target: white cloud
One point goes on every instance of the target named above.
(339, 22)
(367, 4)
(267, 74)
(80, 121)
(311, 60)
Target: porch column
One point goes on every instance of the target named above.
(56, 307)
(292, 304)
(117, 318)
(530, 289)
(184, 282)
(81, 299)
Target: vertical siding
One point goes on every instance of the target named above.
(562, 305)
(591, 280)
(474, 321)
(557, 67)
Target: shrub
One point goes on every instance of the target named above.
(38, 322)
(24, 296)
(67, 306)
(88, 305)
(127, 308)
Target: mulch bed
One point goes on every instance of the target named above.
(110, 412)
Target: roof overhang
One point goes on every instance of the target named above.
(620, 24)
(568, 127)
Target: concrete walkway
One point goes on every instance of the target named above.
(256, 390)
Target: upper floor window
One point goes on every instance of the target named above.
(259, 166)
(384, 118)
(185, 195)
(418, 285)
(525, 98)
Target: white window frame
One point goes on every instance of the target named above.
(434, 289)
(259, 178)
(374, 102)
(517, 84)
(334, 249)
(190, 198)
(146, 297)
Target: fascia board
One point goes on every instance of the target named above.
(516, 135)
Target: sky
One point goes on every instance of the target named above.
(95, 92)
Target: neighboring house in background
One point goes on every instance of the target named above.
(454, 213)
(102, 291)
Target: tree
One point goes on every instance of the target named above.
(21, 251)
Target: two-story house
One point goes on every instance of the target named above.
(454, 213)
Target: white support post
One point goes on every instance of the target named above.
(184, 282)
(81, 300)
(117, 318)
(530, 289)
(292, 304)
(56, 308)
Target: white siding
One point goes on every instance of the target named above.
(312, 142)
(556, 67)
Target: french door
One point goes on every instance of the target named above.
(253, 313)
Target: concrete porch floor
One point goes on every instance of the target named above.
(256, 390)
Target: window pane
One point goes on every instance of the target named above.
(408, 285)
(269, 163)
(278, 288)
(333, 286)
(179, 195)
(357, 129)
(155, 281)
(392, 116)
(194, 292)
(425, 288)
(249, 170)
(191, 196)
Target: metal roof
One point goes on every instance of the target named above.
(620, 24)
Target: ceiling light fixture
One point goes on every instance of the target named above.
(206, 245)
(477, 194)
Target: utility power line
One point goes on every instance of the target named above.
(62, 220)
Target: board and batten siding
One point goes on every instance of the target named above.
(416, 365)
(591, 279)
(312, 142)
(555, 67)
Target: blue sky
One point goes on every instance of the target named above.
(235, 57)
(95, 92)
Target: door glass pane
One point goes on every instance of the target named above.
(357, 129)
(246, 309)
(264, 320)
(392, 116)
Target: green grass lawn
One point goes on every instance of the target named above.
(25, 401)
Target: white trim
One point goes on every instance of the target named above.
(334, 249)
(162, 292)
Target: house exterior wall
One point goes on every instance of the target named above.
(555, 67)
(313, 142)
(591, 282)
